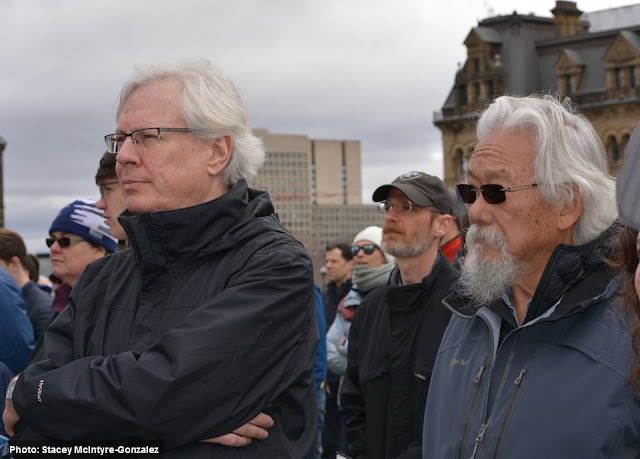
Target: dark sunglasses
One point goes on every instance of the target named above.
(367, 249)
(492, 194)
(63, 242)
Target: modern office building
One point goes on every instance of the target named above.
(593, 58)
(316, 188)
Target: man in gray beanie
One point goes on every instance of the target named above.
(396, 332)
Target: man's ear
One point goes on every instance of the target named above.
(441, 225)
(99, 252)
(221, 149)
(14, 263)
(570, 211)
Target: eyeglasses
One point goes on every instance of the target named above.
(148, 137)
(64, 241)
(103, 185)
(492, 194)
(368, 249)
(384, 207)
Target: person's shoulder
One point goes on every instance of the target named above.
(604, 333)
(30, 289)
(274, 240)
(374, 300)
(8, 286)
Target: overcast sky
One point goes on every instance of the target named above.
(373, 71)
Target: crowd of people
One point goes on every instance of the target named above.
(499, 319)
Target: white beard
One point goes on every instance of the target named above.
(485, 280)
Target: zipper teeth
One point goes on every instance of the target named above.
(468, 418)
(510, 409)
(504, 377)
(486, 399)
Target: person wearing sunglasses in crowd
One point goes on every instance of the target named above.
(627, 250)
(78, 235)
(205, 326)
(371, 268)
(395, 334)
(534, 361)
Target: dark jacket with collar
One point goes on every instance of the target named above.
(393, 342)
(207, 320)
(555, 387)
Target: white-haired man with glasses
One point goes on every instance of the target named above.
(397, 327)
(534, 362)
(202, 334)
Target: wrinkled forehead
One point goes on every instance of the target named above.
(487, 166)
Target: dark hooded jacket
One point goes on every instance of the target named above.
(206, 321)
(555, 387)
(393, 342)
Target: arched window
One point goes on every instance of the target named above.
(567, 85)
(614, 149)
(623, 145)
(462, 161)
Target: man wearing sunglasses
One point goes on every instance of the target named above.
(396, 331)
(534, 362)
(205, 327)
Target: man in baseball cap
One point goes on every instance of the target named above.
(421, 189)
(398, 327)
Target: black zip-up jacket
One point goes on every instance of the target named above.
(206, 321)
(393, 343)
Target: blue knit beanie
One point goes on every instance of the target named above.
(84, 219)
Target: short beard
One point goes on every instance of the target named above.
(416, 246)
(485, 280)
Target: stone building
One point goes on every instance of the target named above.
(593, 58)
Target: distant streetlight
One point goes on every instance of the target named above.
(323, 273)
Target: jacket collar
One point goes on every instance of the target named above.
(439, 264)
(568, 267)
(165, 238)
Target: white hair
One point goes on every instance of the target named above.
(569, 156)
(212, 107)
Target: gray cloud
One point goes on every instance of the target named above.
(373, 71)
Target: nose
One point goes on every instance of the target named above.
(127, 154)
(101, 204)
(479, 211)
(55, 247)
(391, 216)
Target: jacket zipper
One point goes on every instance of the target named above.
(483, 426)
(509, 413)
(479, 438)
(475, 398)
(486, 417)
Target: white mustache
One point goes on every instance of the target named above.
(492, 236)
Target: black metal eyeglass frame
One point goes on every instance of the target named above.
(115, 141)
(492, 193)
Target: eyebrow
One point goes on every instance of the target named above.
(490, 175)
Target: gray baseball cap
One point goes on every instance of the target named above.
(421, 188)
(628, 183)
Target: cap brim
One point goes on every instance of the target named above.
(628, 185)
(414, 195)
